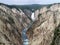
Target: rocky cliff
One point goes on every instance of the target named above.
(44, 31)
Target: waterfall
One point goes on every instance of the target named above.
(33, 17)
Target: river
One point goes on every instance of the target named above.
(24, 36)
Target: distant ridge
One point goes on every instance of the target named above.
(29, 7)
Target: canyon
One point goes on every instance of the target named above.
(44, 31)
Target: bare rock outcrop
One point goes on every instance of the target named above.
(10, 28)
(45, 26)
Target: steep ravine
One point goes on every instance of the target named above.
(44, 31)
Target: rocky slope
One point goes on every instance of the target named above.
(44, 31)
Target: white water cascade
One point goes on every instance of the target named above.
(33, 17)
